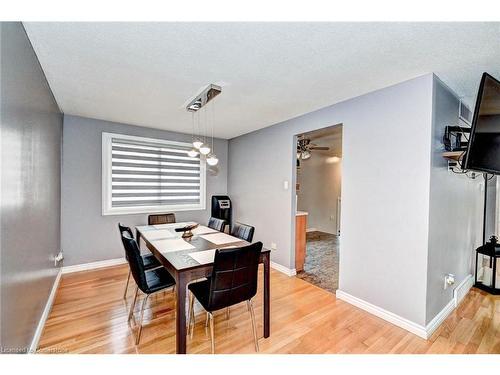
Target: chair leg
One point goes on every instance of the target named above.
(126, 286)
(131, 313)
(254, 328)
(138, 338)
(212, 332)
(191, 319)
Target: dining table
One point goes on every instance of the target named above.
(189, 259)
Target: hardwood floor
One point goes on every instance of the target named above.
(90, 316)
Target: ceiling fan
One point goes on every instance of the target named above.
(304, 148)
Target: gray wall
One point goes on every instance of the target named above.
(87, 236)
(31, 131)
(320, 183)
(385, 191)
(455, 215)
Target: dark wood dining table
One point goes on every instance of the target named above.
(185, 269)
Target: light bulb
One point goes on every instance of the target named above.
(212, 160)
(192, 153)
(197, 144)
(204, 150)
(306, 155)
(332, 159)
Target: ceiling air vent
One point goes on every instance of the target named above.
(464, 113)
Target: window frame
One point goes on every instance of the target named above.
(107, 159)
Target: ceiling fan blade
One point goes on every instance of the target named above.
(319, 148)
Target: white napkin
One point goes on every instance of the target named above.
(175, 244)
(201, 229)
(206, 256)
(173, 225)
(220, 238)
(158, 234)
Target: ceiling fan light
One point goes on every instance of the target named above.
(204, 150)
(197, 144)
(212, 160)
(193, 153)
(305, 155)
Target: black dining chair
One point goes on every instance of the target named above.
(217, 224)
(147, 282)
(243, 231)
(157, 219)
(233, 280)
(149, 261)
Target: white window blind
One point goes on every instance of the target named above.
(144, 175)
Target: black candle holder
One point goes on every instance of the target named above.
(486, 266)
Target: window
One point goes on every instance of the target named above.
(143, 175)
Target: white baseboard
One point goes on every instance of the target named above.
(311, 230)
(462, 289)
(45, 314)
(397, 320)
(283, 269)
(93, 265)
(439, 318)
(425, 332)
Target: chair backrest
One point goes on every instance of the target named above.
(161, 219)
(217, 224)
(234, 276)
(123, 228)
(243, 231)
(134, 258)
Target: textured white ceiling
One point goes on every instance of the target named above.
(143, 73)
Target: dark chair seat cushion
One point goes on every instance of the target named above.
(201, 290)
(150, 261)
(158, 279)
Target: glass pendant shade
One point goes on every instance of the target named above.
(212, 160)
(197, 144)
(193, 153)
(204, 150)
(306, 155)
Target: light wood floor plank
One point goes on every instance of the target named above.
(90, 316)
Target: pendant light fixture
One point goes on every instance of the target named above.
(205, 148)
(212, 159)
(200, 144)
(194, 150)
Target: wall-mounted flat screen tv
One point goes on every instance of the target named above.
(483, 152)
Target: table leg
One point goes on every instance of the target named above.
(267, 307)
(180, 318)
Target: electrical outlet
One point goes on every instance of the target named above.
(332, 218)
(449, 280)
(59, 257)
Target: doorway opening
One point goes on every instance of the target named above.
(318, 203)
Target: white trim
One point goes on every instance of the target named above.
(439, 318)
(397, 320)
(93, 265)
(283, 269)
(417, 329)
(106, 170)
(311, 230)
(462, 289)
(45, 314)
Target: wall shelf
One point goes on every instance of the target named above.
(453, 155)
